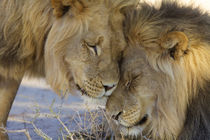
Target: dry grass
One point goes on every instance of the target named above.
(90, 125)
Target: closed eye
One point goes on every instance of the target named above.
(136, 79)
(94, 48)
(128, 84)
(133, 83)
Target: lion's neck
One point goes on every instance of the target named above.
(197, 124)
(188, 102)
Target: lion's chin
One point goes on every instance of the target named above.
(98, 102)
(131, 131)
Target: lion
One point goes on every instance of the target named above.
(74, 44)
(164, 89)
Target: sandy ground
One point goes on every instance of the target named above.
(34, 99)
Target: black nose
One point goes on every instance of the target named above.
(107, 88)
(116, 117)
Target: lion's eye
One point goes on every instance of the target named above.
(128, 84)
(93, 48)
(133, 82)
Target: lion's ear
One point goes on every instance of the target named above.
(61, 6)
(176, 42)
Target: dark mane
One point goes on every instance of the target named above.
(197, 124)
(146, 24)
(169, 16)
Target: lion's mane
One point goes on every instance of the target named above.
(184, 102)
(24, 29)
(23, 34)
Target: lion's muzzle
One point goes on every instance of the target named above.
(96, 89)
(130, 118)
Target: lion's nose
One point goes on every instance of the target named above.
(108, 87)
(116, 117)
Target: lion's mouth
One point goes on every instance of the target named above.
(143, 120)
(81, 90)
(107, 90)
(139, 123)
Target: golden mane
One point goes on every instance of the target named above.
(152, 24)
(183, 80)
(186, 76)
(20, 37)
(78, 26)
(76, 49)
(23, 43)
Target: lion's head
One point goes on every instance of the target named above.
(84, 46)
(132, 103)
(163, 72)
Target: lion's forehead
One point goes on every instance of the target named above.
(134, 67)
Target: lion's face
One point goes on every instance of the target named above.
(151, 100)
(94, 59)
(84, 46)
(164, 72)
(132, 103)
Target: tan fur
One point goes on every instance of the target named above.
(61, 5)
(167, 68)
(177, 39)
(81, 47)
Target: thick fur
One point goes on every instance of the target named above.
(61, 6)
(180, 86)
(28, 26)
(196, 126)
(81, 46)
